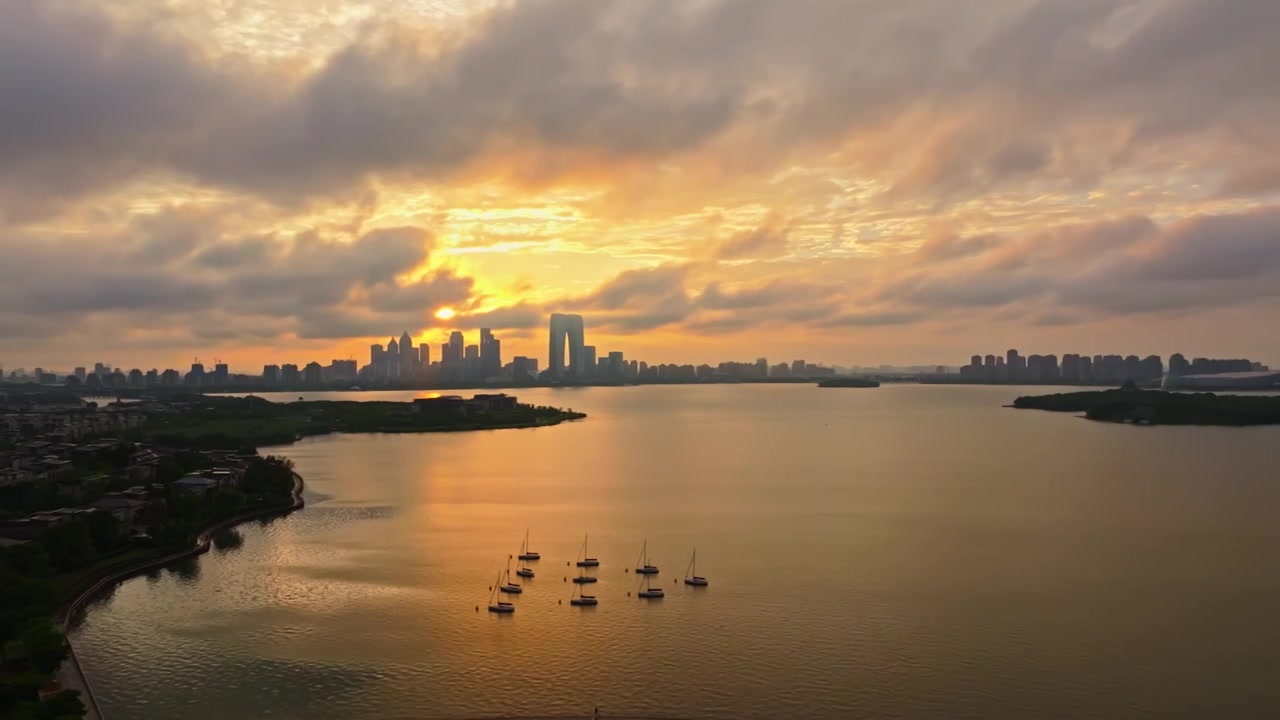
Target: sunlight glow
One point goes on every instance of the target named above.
(445, 313)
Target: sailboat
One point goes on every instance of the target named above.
(642, 563)
(582, 598)
(584, 578)
(499, 606)
(523, 571)
(525, 552)
(647, 592)
(508, 586)
(691, 576)
(583, 559)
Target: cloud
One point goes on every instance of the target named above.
(951, 97)
(1110, 268)
(766, 241)
(224, 286)
(858, 167)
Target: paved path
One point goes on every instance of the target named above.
(70, 675)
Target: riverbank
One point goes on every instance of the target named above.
(1156, 407)
(71, 675)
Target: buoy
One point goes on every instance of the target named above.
(628, 593)
(559, 602)
(566, 578)
(477, 608)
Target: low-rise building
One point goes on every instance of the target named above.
(196, 485)
(127, 510)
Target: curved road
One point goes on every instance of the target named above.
(71, 676)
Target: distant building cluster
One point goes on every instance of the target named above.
(400, 362)
(1073, 368)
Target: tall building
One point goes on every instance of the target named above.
(524, 370)
(797, 368)
(271, 374)
(616, 365)
(453, 349)
(1015, 365)
(589, 361)
(312, 374)
(80, 374)
(490, 354)
(424, 355)
(408, 356)
(1178, 365)
(566, 328)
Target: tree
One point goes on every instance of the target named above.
(68, 545)
(44, 645)
(271, 476)
(168, 470)
(104, 531)
(227, 502)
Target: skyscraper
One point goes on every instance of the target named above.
(570, 328)
(490, 355)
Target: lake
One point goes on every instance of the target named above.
(908, 551)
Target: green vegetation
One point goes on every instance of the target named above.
(213, 422)
(848, 382)
(39, 577)
(1155, 407)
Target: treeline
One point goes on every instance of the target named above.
(212, 422)
(31, 646)
(34, 575)
(1157, 407)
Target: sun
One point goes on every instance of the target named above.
(445, 313)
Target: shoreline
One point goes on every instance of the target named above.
(71, 675)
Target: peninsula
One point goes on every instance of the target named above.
(1156, 407)
(848, 382)
(210, 421)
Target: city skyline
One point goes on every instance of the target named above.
(571, 359)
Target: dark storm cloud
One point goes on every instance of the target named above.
(223, 284)
(1124, 266)
(993, 88)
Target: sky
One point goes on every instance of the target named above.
(850, 182)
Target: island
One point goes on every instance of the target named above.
(1158, 407)
(211, 421)
(848, 382)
